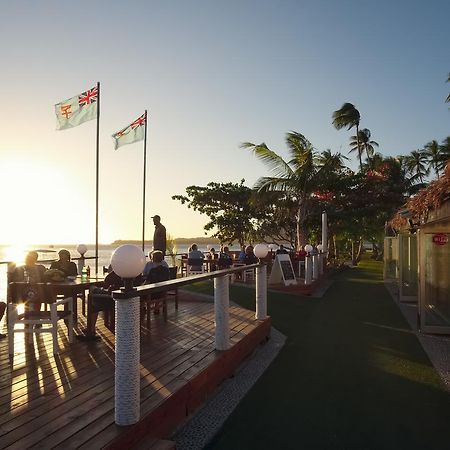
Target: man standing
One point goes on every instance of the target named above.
(159, 237)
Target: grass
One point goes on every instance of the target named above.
(352, 375)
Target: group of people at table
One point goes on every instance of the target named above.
(155, 270)
(219, 260)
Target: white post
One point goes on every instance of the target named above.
(315, 267)
(222, 313)
(127, 389)
(324, 233)
(261, 292)
(320, 257)
(308, 269)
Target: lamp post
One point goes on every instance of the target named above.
(127, 261)
(320, 258)
(324, 236)
(81, 249)
(261, 251)
(308, 264)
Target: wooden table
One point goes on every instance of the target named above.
(71, 288)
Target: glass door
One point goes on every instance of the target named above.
(390, 258)
(434, 313)
(408, 265)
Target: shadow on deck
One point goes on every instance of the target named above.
(67, 401)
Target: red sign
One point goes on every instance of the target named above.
(440, 238)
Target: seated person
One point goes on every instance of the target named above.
(159, 272)
(225, 260)
(102, 300)
(242, 254)
(30, 272)
(212, 255)
(195, 253)
(301, 254)
(282, 250)
(250, 257)
(151, 264)
(64, 264)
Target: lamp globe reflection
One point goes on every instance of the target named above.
(128, 261)
(308, 248)
(261, 250)
(81, 249)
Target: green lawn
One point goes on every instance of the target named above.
(351, 376)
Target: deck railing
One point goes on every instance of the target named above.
(127, 355)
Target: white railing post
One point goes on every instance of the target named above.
(315, 267)
(320, 258)
(127, 383)
(261, 292)
(308, 269)
(222, 313)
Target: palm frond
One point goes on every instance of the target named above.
(275, 162)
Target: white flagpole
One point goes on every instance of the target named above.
(97, 178)
(143, 182)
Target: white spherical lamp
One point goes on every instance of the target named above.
(272, 247)
(128, 261)
(320, 247)
(308, 248)
(261, 250)
(81, 249)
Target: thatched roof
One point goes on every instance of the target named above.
(427, 199)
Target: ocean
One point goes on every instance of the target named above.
(49, 252)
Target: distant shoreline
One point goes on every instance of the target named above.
(182, 241)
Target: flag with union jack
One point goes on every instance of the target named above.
(132, 133)
(77, 110)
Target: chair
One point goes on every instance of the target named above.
(194, 266)
(153, 302)
(35, 321)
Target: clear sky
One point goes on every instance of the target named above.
(212, 75)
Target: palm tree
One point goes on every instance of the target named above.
(435, 156)
(365, 143)
(348, 116)
(297, 177)
(416, 163)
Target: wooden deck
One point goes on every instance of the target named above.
(68, 401)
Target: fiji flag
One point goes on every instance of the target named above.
(132, 133)
(76, 110)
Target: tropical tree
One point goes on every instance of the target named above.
(435, 156)
(228, 207)
(348, 116)
(297, 177)
(364, 141)
(416, 163)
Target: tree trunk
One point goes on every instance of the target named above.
(359, 147)
(360, 250)
(354, 262)
(301, 229)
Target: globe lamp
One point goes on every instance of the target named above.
(81, 249)
(128, 261)
(261, 250)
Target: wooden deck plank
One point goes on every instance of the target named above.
(68, 400)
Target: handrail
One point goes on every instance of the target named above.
(178, 282)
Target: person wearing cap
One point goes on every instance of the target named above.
(159, 237)
(64, 264)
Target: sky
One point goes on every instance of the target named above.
(212, 75)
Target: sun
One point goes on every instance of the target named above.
(33, 198)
